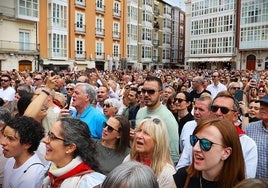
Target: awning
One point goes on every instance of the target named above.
(212, 59)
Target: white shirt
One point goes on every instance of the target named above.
(7, 94)
(214, 90)
(28, 175)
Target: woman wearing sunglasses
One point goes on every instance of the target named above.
(151, 147)
(114, 144)
(111, 107)
(217, 157)
(73, 156)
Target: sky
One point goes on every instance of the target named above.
(178, 3)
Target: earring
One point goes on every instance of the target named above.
(67, 152)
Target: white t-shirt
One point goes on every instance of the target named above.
(28, 175)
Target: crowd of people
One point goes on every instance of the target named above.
(134, 128)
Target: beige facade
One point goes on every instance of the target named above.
(18, 36)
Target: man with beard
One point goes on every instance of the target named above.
(152, 91)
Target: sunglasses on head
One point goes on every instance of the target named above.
(149, 91)
(204, 143)
(224, 110)
(109, 128)
(179, 100)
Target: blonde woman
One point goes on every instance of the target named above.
(151, 147)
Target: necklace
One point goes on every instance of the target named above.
(200, 182)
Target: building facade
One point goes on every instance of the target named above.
(107, 34)
(226, 34)
(19, 47)
(253, 35)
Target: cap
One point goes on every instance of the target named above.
(263, 99)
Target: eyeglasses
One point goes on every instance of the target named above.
(2, 80)
(107, 105)
(149, 91)
(69, 88)
(179, 100)
(204, 143)
(224, 110)
(236, 88)
(109, 128)
(52, 137)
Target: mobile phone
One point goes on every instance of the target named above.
(88, 70)
(68, 101)
(239, 95)
(132, 124)
(256, 78)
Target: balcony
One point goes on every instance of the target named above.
(100, 32)
(80, 55)
(80, 28)
(156, 42)
(116, 13)
(80, 4)
(100, 55)
(18, 47)
(116, 35)
(100, 9)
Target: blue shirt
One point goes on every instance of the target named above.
(94, 120)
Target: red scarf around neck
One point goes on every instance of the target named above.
(80, 169)
(146, 162)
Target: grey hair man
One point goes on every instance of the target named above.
(83, 96)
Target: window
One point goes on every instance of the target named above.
(116, 9)
(100, 4)
(99, 50)
(146, 52)
(58, 14)
(29, 8)
(59, 45)
(24, 38)
(116, 50)
(80, 51)
(132, 31)
(146, 34)
(79, 20)
(132, 52)
(99, 26)
(116, 30)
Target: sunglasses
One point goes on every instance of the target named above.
(2, 80)
(109, 128)
(236, 88)
(149, 91)
(107, 105)
(224, 110)
(69, 88)
(261, 91)
(179, 100)
(139, 92)
(204, 143)
(36, 79)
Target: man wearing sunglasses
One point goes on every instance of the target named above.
(201, 112)
(7, 93)
(258, 131)
(224, 106)
(152, 91)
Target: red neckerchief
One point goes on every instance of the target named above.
(56, 181)
(146, 162)
(239, 131)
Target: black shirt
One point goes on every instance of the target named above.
(196, 182)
